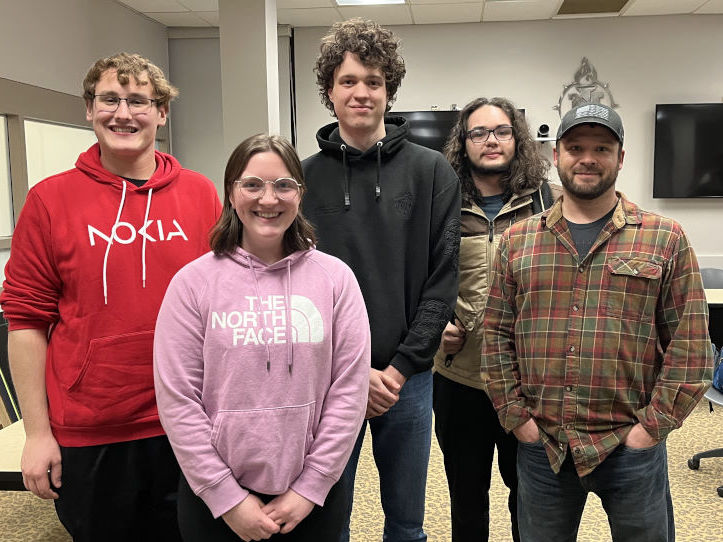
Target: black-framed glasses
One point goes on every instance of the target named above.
(136, 104)
(503, 132)
(253, 187)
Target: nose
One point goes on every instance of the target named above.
(268, 196)
(123, 110)
(361, 90)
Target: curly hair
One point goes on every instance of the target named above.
(375, 46)
(127, 65)
(227, 234)
(528, 166)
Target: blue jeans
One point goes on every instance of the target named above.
(401, 439)
(632, 485)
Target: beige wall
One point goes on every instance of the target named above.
(646, 60)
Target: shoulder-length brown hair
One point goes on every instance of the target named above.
(227, 234)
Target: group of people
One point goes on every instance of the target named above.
(251, 344)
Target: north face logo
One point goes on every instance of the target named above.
(264, 321)
(125, 233)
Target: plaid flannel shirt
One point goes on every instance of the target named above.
(589, 348)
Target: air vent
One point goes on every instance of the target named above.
(581, 7)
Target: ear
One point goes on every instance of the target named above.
(554, 155)
(162, 115)
(620, 160)
(88, 110)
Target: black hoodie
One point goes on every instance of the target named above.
(392, 214)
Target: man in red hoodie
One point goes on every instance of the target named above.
(92, 254)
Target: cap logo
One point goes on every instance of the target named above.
(592, 110)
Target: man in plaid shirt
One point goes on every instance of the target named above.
(595, 344)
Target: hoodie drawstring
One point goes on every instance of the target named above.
(347, 196)
(378, 187)
(112, 236)
(289, 329)
(258, 298)
(110, 242)
(145, 221)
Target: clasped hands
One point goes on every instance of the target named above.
(251, 519)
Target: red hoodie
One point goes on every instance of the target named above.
(98, 293)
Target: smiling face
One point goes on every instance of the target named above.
(588, 159)
(265, 220)
(359, 96)
(124, 136)
(492, 156)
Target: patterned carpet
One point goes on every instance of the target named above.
(698, 508)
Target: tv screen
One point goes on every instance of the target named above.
(688, 151)
(429, 128)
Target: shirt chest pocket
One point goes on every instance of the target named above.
(630, 287)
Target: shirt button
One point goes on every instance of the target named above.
(581, 269)
(569, 426)
(568, 388)
(635, 271)
(578, 451)
(562, 446)
(575, 308)
(572, 349)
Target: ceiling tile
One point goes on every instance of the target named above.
(155, 6)
(446, 13)
(520, 10)
(308, 17)
(662, 7)
(200, 5)
(211, 17)
(712, 6)
(423, 2)
(303, 4)
(384, 15)
(178, 19)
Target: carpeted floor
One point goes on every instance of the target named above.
(698, 508)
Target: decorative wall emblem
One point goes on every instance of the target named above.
(584, 89)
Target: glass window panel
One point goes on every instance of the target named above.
(53, 148)
(6, 198)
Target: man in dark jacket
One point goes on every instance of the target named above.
(390, 210)
(503, 178)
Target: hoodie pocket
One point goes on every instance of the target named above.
(264, 448)
(115, 382)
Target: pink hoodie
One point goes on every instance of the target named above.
(244, 407)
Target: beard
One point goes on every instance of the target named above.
(494, 170)
(587, 191)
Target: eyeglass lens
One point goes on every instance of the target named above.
(480, 135)
(284, 188)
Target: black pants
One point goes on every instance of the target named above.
(122, 491)
(468, 430)
(323, 524)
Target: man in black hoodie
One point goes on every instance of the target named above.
(390, 210)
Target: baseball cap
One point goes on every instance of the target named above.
(592, 114)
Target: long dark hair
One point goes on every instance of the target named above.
(227, 234)
(527, 168)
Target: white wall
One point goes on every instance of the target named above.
(52, 44)
(197, 114)
(646, 60)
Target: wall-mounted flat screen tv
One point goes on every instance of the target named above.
(688, 151)
(429, 128)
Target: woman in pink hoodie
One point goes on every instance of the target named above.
(261, 358)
